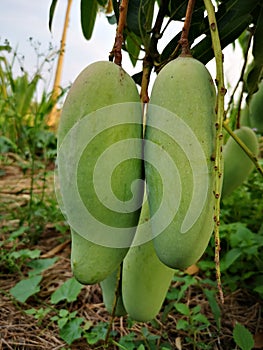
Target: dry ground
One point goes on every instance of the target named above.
(21, 331)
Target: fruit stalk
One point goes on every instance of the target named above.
(119, 33)
(187, 23)
(218, 168)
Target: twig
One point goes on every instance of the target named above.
(185, 31)
(152, 55)
(218, 167)
(252, 156)
(146, 73)
(116, 52)
(115, 301)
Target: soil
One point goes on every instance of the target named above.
(19, 330)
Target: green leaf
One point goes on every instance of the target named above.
(69, 291)
(102, 3)
(141, 347)
(182, 308)
(210, 295)
(200, 318)
(26, 288)
(72, 330)
(26, 253)
(51, 13)
(111, 19)
(139, 18)
(242, 337)
(97, 333)
(88, 14)
(233, 17)
(133, 44)
(39, 265)
(230, 257)
(182, 324)
(256, 70)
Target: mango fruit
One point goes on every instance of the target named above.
(109, 286)
(87, 259)
(256, 110)
(237, 164)
(145, 279)
(100, 168)
(179, 144)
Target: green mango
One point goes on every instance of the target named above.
(100, 168)
(256, 110)
(109, 287)
(179, 144)
(237, 164)
(145, 279)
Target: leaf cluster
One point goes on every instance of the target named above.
(148, 20)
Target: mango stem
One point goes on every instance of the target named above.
(119, 33)
(185, 31)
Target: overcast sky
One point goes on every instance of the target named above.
(22, 19)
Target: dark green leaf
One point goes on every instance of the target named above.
(88, 14)
(97, 333)
(51, 13)
(210, 295)
(230, 257)
(102, 3)
(233, 17)
(133, 16)
(115, 5)
(112, 19)
(256, 71)
(177, 9)
(139, 18)
(137, 77)
(242, 337)
(133, 45)
(25, 288)
(72, 330)
(6, 47)
(69, 291)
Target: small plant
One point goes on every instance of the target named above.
(242, 337)
(30, 286)
(39, 314)
(192, 324)
(69, 325)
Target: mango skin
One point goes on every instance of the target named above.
(99, 85)
(237, 164)
(256, 110)
(145, 279)
(185, 88)
(108, 287)
(91, 263)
